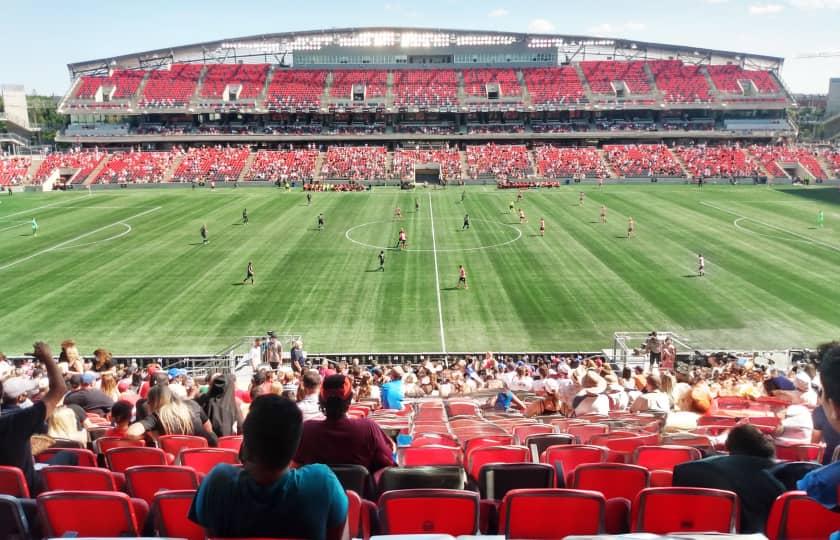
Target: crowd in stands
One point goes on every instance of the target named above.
(501, 162)
(283, 165)
(426, 129)
(704, 161)
(273, 458)
(85, 161)
(212, 163)
(630, 160)
(138, 167)
(13, 170)
(512, 127)
(561, 162)
(355, 162)
(774, 157)
(449, 160)
(832, 158)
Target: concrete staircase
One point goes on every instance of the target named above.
(587, 90)
(319, 162)
(462, 93)
(91, 179)
(464, 169)
(135, 100)
(606, 163)
(389, 90)
(260, 99)
(327, 95)
(30, 173)
(526, 96)
(167, 176)
(680, 160)
(713, 89)
(652, 82)
(247, 167)
(389, 164)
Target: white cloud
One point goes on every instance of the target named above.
(765, 9)
(815, 4)
(499, 12)
(610, 29)
(716, 1)
(540, 26)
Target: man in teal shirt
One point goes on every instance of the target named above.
(265, 498)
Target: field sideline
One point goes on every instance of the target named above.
(126, 269)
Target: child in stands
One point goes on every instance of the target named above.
(120, 417)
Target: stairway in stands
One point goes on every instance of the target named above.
(167, 176)
(606, 162)
(94, 174)
(247, 167)
(319, 162)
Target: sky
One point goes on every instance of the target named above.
(41, 38)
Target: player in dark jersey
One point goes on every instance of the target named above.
(249, 273)
(581, 198)
(204, 234)
(382, 260)
(416, 205)
(244, 216)
(308, 198)
(320, 222)
(463, 194)
(466, 222)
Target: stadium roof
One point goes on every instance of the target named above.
(280, 45)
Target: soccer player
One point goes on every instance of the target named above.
(463, 194)
(244, 216)
(522, 218)
(249, 273)
(466, 222)
(402, 239)
(701, 265)
(308, 198)
(382, 260)
(820, 219)
(34, 227)
(397, 213)
(511, 207)
(542, 226)
(416, 205)
(212, 185)
(581, 197)
(600, 182)
(603, 214)
(631, 227)
(519, 196)
(204, 234)
(321, 222)
(462, 277)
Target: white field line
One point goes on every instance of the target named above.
(18, 224)
(788, 231)
(30, 210)
(437, 279)
(85, 235)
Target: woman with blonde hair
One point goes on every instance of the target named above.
(70, 354)
(108, 385)
(63, 424)
(171, 416)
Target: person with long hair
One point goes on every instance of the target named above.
(102, 361)
(70, 354)
(219, 404)
(170, 416)
(63, 424)
(108, 385)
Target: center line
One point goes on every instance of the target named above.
(437, 278)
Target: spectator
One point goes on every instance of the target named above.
(822, 483)
(120, 419)
(339, 439)
(102, 361)
(745, 471)
(86, 396)
(296, 354)
(265, 498)
(63, 424)
(521, 381)
(70, 354)
(273, 353)
(552, 403)
(653, 398)
(505, 400)
(108, 385)
(219, 404)
(17, 392)
(16, 428)
(308, 403)
(391, 392)
(824, 432)
(171, 416)
(591, 399)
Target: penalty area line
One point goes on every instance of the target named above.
(437, 279)
(81, 236)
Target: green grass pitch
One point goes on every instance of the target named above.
(126, 269)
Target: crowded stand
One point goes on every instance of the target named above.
(721, 444)
(560, 162)
(773, 158)
(476, 81)
(628, 160)
(171, 88)
(705, 161)
(295, 89)
(374, 83)
(137, 167)
(554, 86)
(680, 83)
(13, 170)
(425, 88)
(78, 160)
(832, 158)
(602, 74)
(355, 162)
(212, 163)
(497, 161)
(283, 165)
(448, 159)
(250, 78)
(124, 83)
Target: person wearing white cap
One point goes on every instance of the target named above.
(807, 395)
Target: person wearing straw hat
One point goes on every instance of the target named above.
(591, 399)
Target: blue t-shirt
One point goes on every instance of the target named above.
(821, 484)
(304, 503)
(829, 435)
(503, 400)
(392, 395)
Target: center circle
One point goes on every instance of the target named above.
(518, 234)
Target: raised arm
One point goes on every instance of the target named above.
(57, 390)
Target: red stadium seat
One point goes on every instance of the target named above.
(433, 439)
(429, 511)
(462, 408)
(471, 444)
(85, 457)
(12, 482)
(566, 458)
(173, 444)
(496, 479)
(358, 515)
(204, 459)
(143, 482)
(524, 513)
(169, 511)
(800, 452)
(664, 457)
(495, 454)
(103, 444)
(682, 509)
(231, 442)
(119, 459)
(520, 433)
(62, 477)
(585, 432)
(795, 515)
(611, 479)
(429, 455)
(87, 513)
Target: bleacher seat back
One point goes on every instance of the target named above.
(495, 454)
(429, 511)
(72, 512)
(103, 444)
(145, 481)
(496, 479)
(204, 459)
(172, 444)
(585, 432)
(353, 477)
(795, 515)
(170, 510)
(430, 455)
(679, 509)
(471, 444)
(432, 477)
(231, 442)
(536, 513)
(665, 458)
(611, 479)
(84, 457)
(72, 478)
(13, 522)
(566, 458)
(538, 443)
(520, 433)
(121, 458)
(13, 482)
(434, 439)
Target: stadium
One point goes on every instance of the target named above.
(515, 274)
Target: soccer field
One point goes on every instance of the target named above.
(126, 269)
